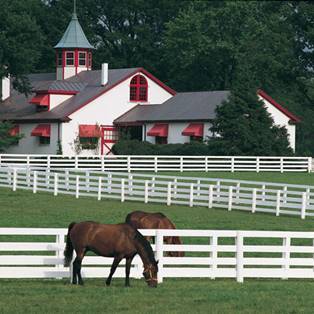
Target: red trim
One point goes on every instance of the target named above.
(57, 92)
(159, 129)
(279, 107)
(140, 70)
(194, 129)
(40, 100)
(42, 130)
(89, 130)
(76, 60)
(63, 63)
(15, 130)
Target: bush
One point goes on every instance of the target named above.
(135, 147)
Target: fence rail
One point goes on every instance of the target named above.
(161, 163)
(208, 254)
(297, 201)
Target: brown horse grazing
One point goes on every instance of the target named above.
(143, 220)
(117, 241)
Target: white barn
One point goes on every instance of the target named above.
(79, 111)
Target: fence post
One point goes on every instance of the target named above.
(122, 190)
(230, 198)
(254, 201)
(175, 181)
(210, 196)
(48, 162)
(198, 187)
(309, 164)
(285, 194)
(278, 203)
(232, 164)
(181, 164)
(102, 163)
(281, 164)
(191, 194)
(169, 193)
(263, 192)
(238, 193)
(129, 163)
(55, 190)
(153, 185)
(76, 162)
(206, 164)
(34, 182)
(99, 188)
(239, 257)
(155, 164)
(67, 180)
(218, 189)
(87, 181)
(213, 242)
(77, 187)
(59, 252)
(130, 183)
(303, 209)
(14, 179)
(146, 192)
(159, 254)
(109, 182)
(286, 256)
(257, 164)
(28, 176)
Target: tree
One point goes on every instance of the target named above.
(6, 139)
(21, 40)
(244, 127)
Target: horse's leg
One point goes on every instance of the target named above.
(128, 262)
(77, 268)
(114, 266)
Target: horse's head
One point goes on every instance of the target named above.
(150, 274)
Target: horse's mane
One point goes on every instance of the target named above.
(146, 245)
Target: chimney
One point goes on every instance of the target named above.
(104, 74)
(5, 88)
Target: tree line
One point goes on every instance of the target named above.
(190, 45)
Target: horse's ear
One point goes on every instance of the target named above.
(157, 262)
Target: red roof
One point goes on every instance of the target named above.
(285, 111)
(159, 129)
(41, 130)
(194, 129)
(40, 100)
(89, 130)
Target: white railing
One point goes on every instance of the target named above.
(208, 254)
(161, 163)
(298, 201)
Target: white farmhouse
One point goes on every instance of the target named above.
(79, 111)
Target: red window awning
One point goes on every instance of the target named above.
(194, 129)
(40, 100)
(41, 130)
(15, 130)
(89, 130)
(159, 129)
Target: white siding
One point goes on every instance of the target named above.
(281, 119)
(106, 108)
(30, 144)
(175, 132)
(56, 100)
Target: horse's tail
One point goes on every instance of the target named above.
(68, 252)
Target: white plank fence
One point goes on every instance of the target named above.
(208, 254)
(297, 201)
(161, 163)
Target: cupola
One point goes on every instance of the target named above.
(73, 51)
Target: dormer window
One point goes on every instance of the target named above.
(138, 88)
(69, 57)
(82, 58)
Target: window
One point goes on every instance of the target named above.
(89, 142)
(111, 135)
(69, 58)
(138, 88)
(82, 58)
(43, 140)
(161, 140)
(59, 56)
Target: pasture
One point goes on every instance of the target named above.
(23, 209)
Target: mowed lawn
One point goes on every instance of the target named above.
(24, 209)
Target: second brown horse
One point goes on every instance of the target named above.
(143, 220)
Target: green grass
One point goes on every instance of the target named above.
(23, 209)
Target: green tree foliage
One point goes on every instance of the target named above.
(21, 40)
(6, 140)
